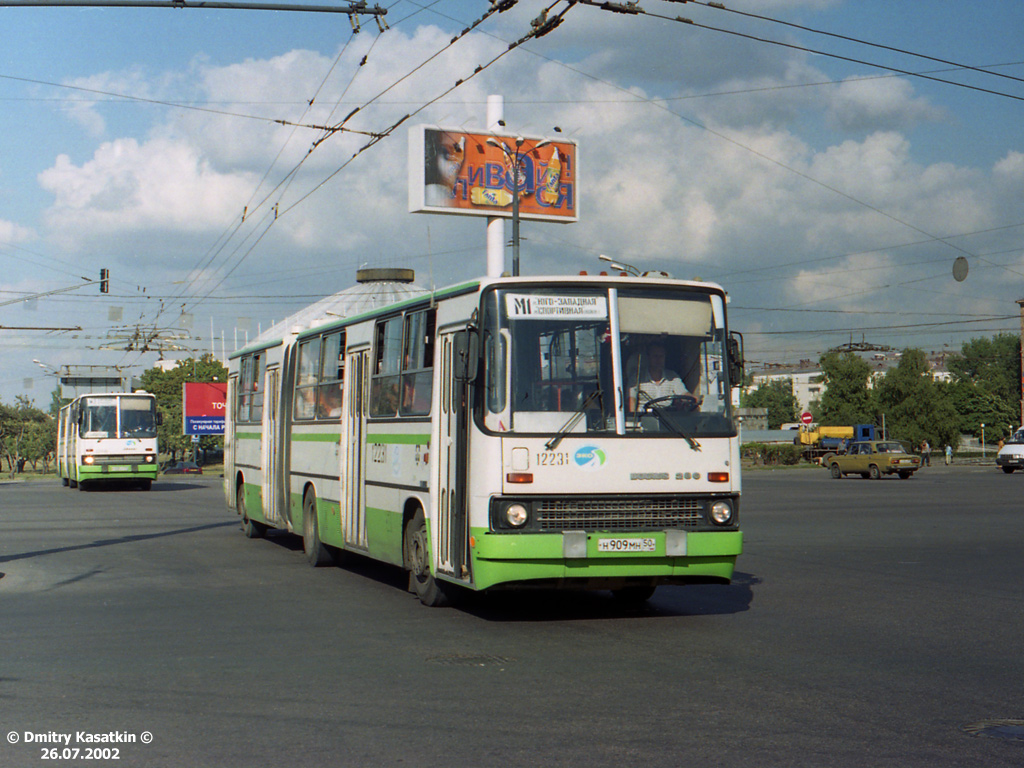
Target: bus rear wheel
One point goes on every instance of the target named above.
(317, 553)
(250, 528)
(417, 558)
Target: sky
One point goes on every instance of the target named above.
(826, 161)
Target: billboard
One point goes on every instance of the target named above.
(203, 407)
(458, 172)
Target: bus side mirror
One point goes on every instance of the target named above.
(465, 355)
(734, 349)
(159, 419)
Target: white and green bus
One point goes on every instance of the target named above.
(110, 437)
(496, 434)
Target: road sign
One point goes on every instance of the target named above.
(806, 417)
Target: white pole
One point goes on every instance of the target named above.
(495, 225)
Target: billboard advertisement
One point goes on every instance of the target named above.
(459, 172)
(203, 407)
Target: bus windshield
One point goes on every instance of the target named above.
(118, 417)
(641, 361)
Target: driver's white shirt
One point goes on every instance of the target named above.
(669, 384)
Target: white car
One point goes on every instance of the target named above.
(1011, 455)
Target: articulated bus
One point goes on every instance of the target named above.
(108, 437)
(497, 434)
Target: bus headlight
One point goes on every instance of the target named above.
(721, 513)
(516, 515)
(89, 460)
(150, 459)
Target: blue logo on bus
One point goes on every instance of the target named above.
(590, 457)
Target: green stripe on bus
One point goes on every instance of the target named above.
(248, 435)
(380, 439)
(316, 437)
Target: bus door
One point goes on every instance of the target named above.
(272, 506)
(353, 455)
(450, 514)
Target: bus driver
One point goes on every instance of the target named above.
(658, 381)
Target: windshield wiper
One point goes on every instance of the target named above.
(652, 405)
(573, 420)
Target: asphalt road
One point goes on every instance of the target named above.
(869, 624)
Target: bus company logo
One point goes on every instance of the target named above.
(590, 458)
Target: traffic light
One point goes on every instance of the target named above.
(104, 281)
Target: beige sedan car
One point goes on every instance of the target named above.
(872, 458)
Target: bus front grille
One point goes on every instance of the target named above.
(619, 514)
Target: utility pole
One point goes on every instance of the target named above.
(1020, 303)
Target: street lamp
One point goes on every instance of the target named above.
(620, 265)
(514, 160)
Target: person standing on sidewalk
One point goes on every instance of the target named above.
(926, 454)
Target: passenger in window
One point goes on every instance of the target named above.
(330, 402)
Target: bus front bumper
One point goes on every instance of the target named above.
(89, 472)
(593, 559)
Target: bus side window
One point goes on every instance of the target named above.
(386, 368)
(244, 388)
(329, 398)
(306, 379)
(256, 411)
(418, 363)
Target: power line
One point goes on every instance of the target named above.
(836, 35)
(634, 9)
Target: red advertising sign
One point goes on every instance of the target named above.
(454, 171)
(203, 407)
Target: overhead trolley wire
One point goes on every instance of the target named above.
(634, 9)
(848, 38)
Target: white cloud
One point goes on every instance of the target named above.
(876, 104)
(12, 233)
(129, 187)
(94, 91)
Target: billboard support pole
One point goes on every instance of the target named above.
(495, 224)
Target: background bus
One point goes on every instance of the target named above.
(495, 434)
(109, 437)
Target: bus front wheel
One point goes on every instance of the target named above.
(417, 558)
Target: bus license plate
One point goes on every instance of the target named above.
(626, 545)
(118, 468)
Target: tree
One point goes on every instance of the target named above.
(26, 433)
(916, 407)
(846, 400)
(167, 387)
(987, 382)
(777, 396)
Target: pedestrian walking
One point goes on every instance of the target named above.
(949, 455)
(926, 454)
